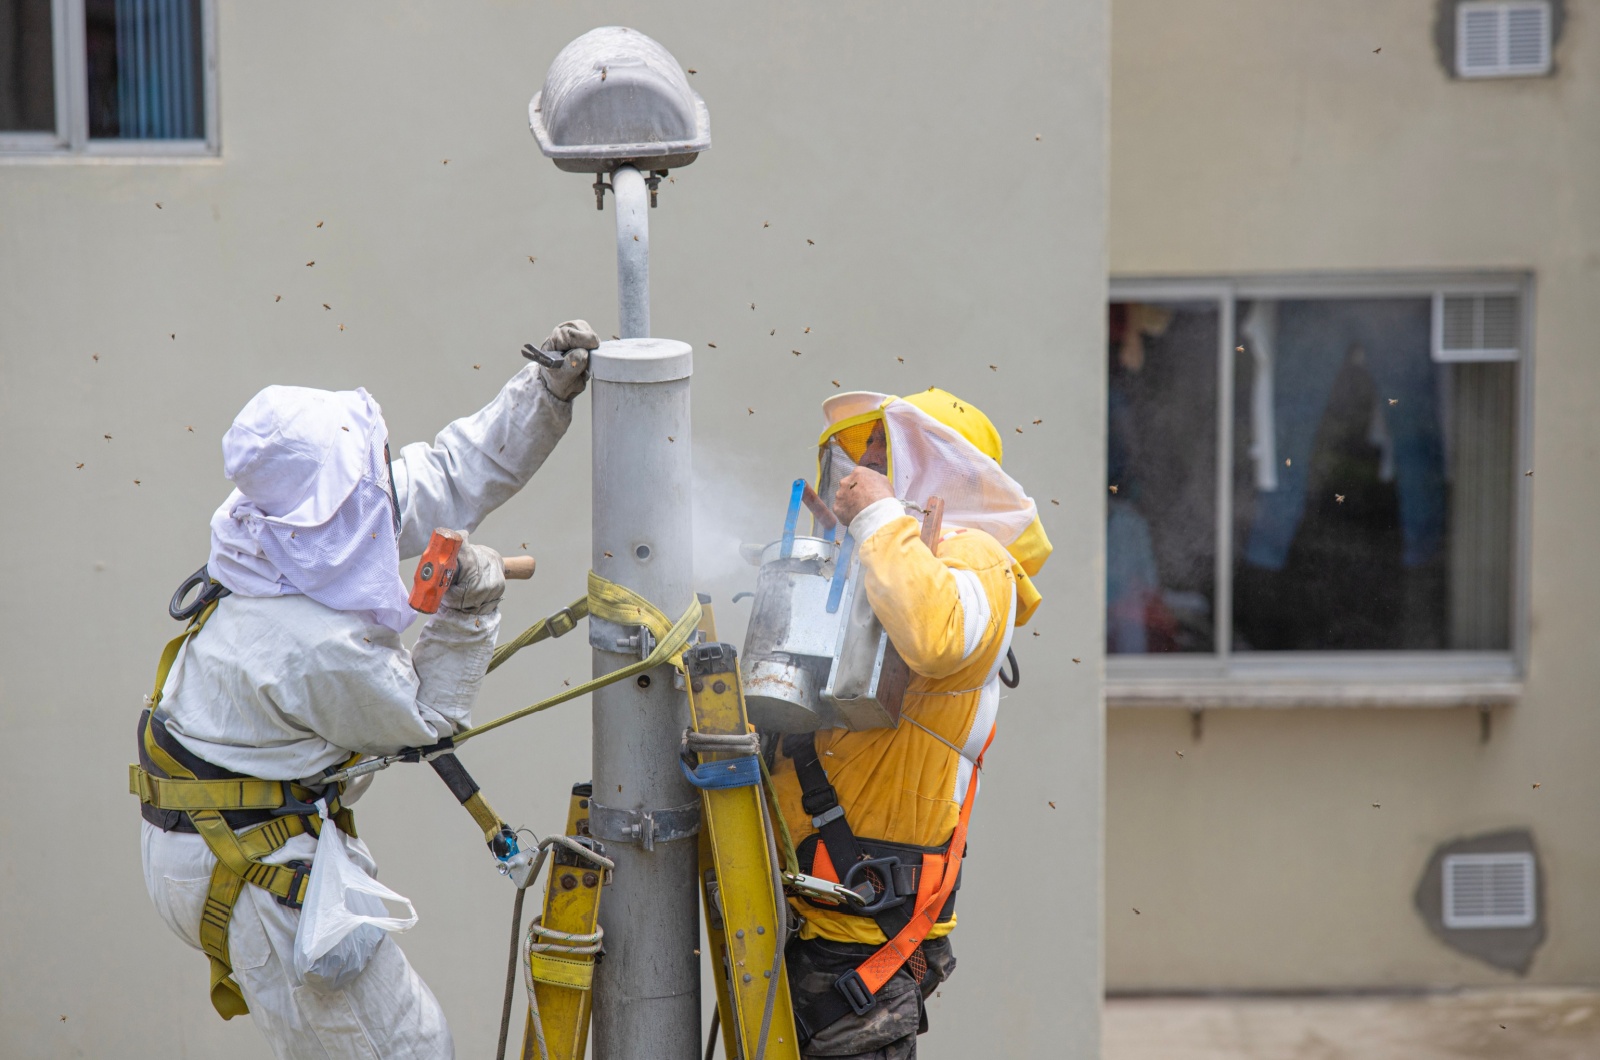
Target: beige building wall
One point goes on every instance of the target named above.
(949, 165)
(1256, 136)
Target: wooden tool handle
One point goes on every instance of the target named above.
(933, 523)
(519, 566)
(819, 511)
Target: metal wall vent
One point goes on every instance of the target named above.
(1477, 327)
(1489, 891)
(1503, 39)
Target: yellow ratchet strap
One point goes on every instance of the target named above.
(614, 603)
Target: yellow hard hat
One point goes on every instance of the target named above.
(961, 417)
(854, 415)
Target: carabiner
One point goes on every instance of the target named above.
(213, 590)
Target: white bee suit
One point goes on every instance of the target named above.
(303, 665)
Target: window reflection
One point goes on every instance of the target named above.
(1162, 477)
(1372, 485)
(27, 67)
(144, 69)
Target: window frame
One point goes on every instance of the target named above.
(70, 141)
(1330, 678)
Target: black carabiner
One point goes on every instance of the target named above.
(211, 591)
(1016, 672)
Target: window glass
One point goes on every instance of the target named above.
(144, 69)
(1162, 477)
(27, 67)
(1373, 487)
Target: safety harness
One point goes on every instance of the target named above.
(179, 791)
(912, 888)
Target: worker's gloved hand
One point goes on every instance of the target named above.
(575, 338)
(858, 489)
(479, 583)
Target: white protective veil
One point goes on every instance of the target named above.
(312, 513)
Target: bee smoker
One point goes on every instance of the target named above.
(815, 656)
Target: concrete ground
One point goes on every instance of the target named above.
(1530, 1024)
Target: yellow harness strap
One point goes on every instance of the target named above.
(238, 854)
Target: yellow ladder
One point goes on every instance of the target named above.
(739, 876)
(563, 985)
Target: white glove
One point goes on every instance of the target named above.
(574, 338)
(479, 583)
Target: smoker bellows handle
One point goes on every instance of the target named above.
(819, 511)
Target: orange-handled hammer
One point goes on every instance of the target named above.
(436, 571)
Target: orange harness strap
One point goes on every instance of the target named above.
(878, 969)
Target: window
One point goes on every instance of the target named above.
(1315, 481)
(107, 77)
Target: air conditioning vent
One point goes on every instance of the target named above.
(1497, 39)
(1477, 327)
(1489, 891)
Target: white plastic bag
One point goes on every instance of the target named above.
(343, 918)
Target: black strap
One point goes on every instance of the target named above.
(821, 801)
(455, 776)
(822, 1012)
(849, 995)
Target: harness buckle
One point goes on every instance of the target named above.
(293, 807)
(854, 989)
(880, 899)
(302, 869)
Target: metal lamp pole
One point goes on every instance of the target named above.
(614, 100)
(647, 989)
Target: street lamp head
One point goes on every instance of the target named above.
(613, 97)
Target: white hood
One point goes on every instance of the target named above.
(312, 512)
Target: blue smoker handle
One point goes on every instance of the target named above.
(792, 518)
(841, 572)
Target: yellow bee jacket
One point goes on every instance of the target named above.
(951, 618)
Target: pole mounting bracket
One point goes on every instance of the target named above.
(644, 827)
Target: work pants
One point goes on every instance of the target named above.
(386, 1012)
(888, 1031)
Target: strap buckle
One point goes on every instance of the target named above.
(561, 622)
(827, 816)
(302, 869)
(855, 992)
(293, 807)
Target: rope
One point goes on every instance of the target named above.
(780, 906)
(511, 975)
(711, 1039)
(564, 943)
(791, 861)
(560, 943)
(959, 752)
